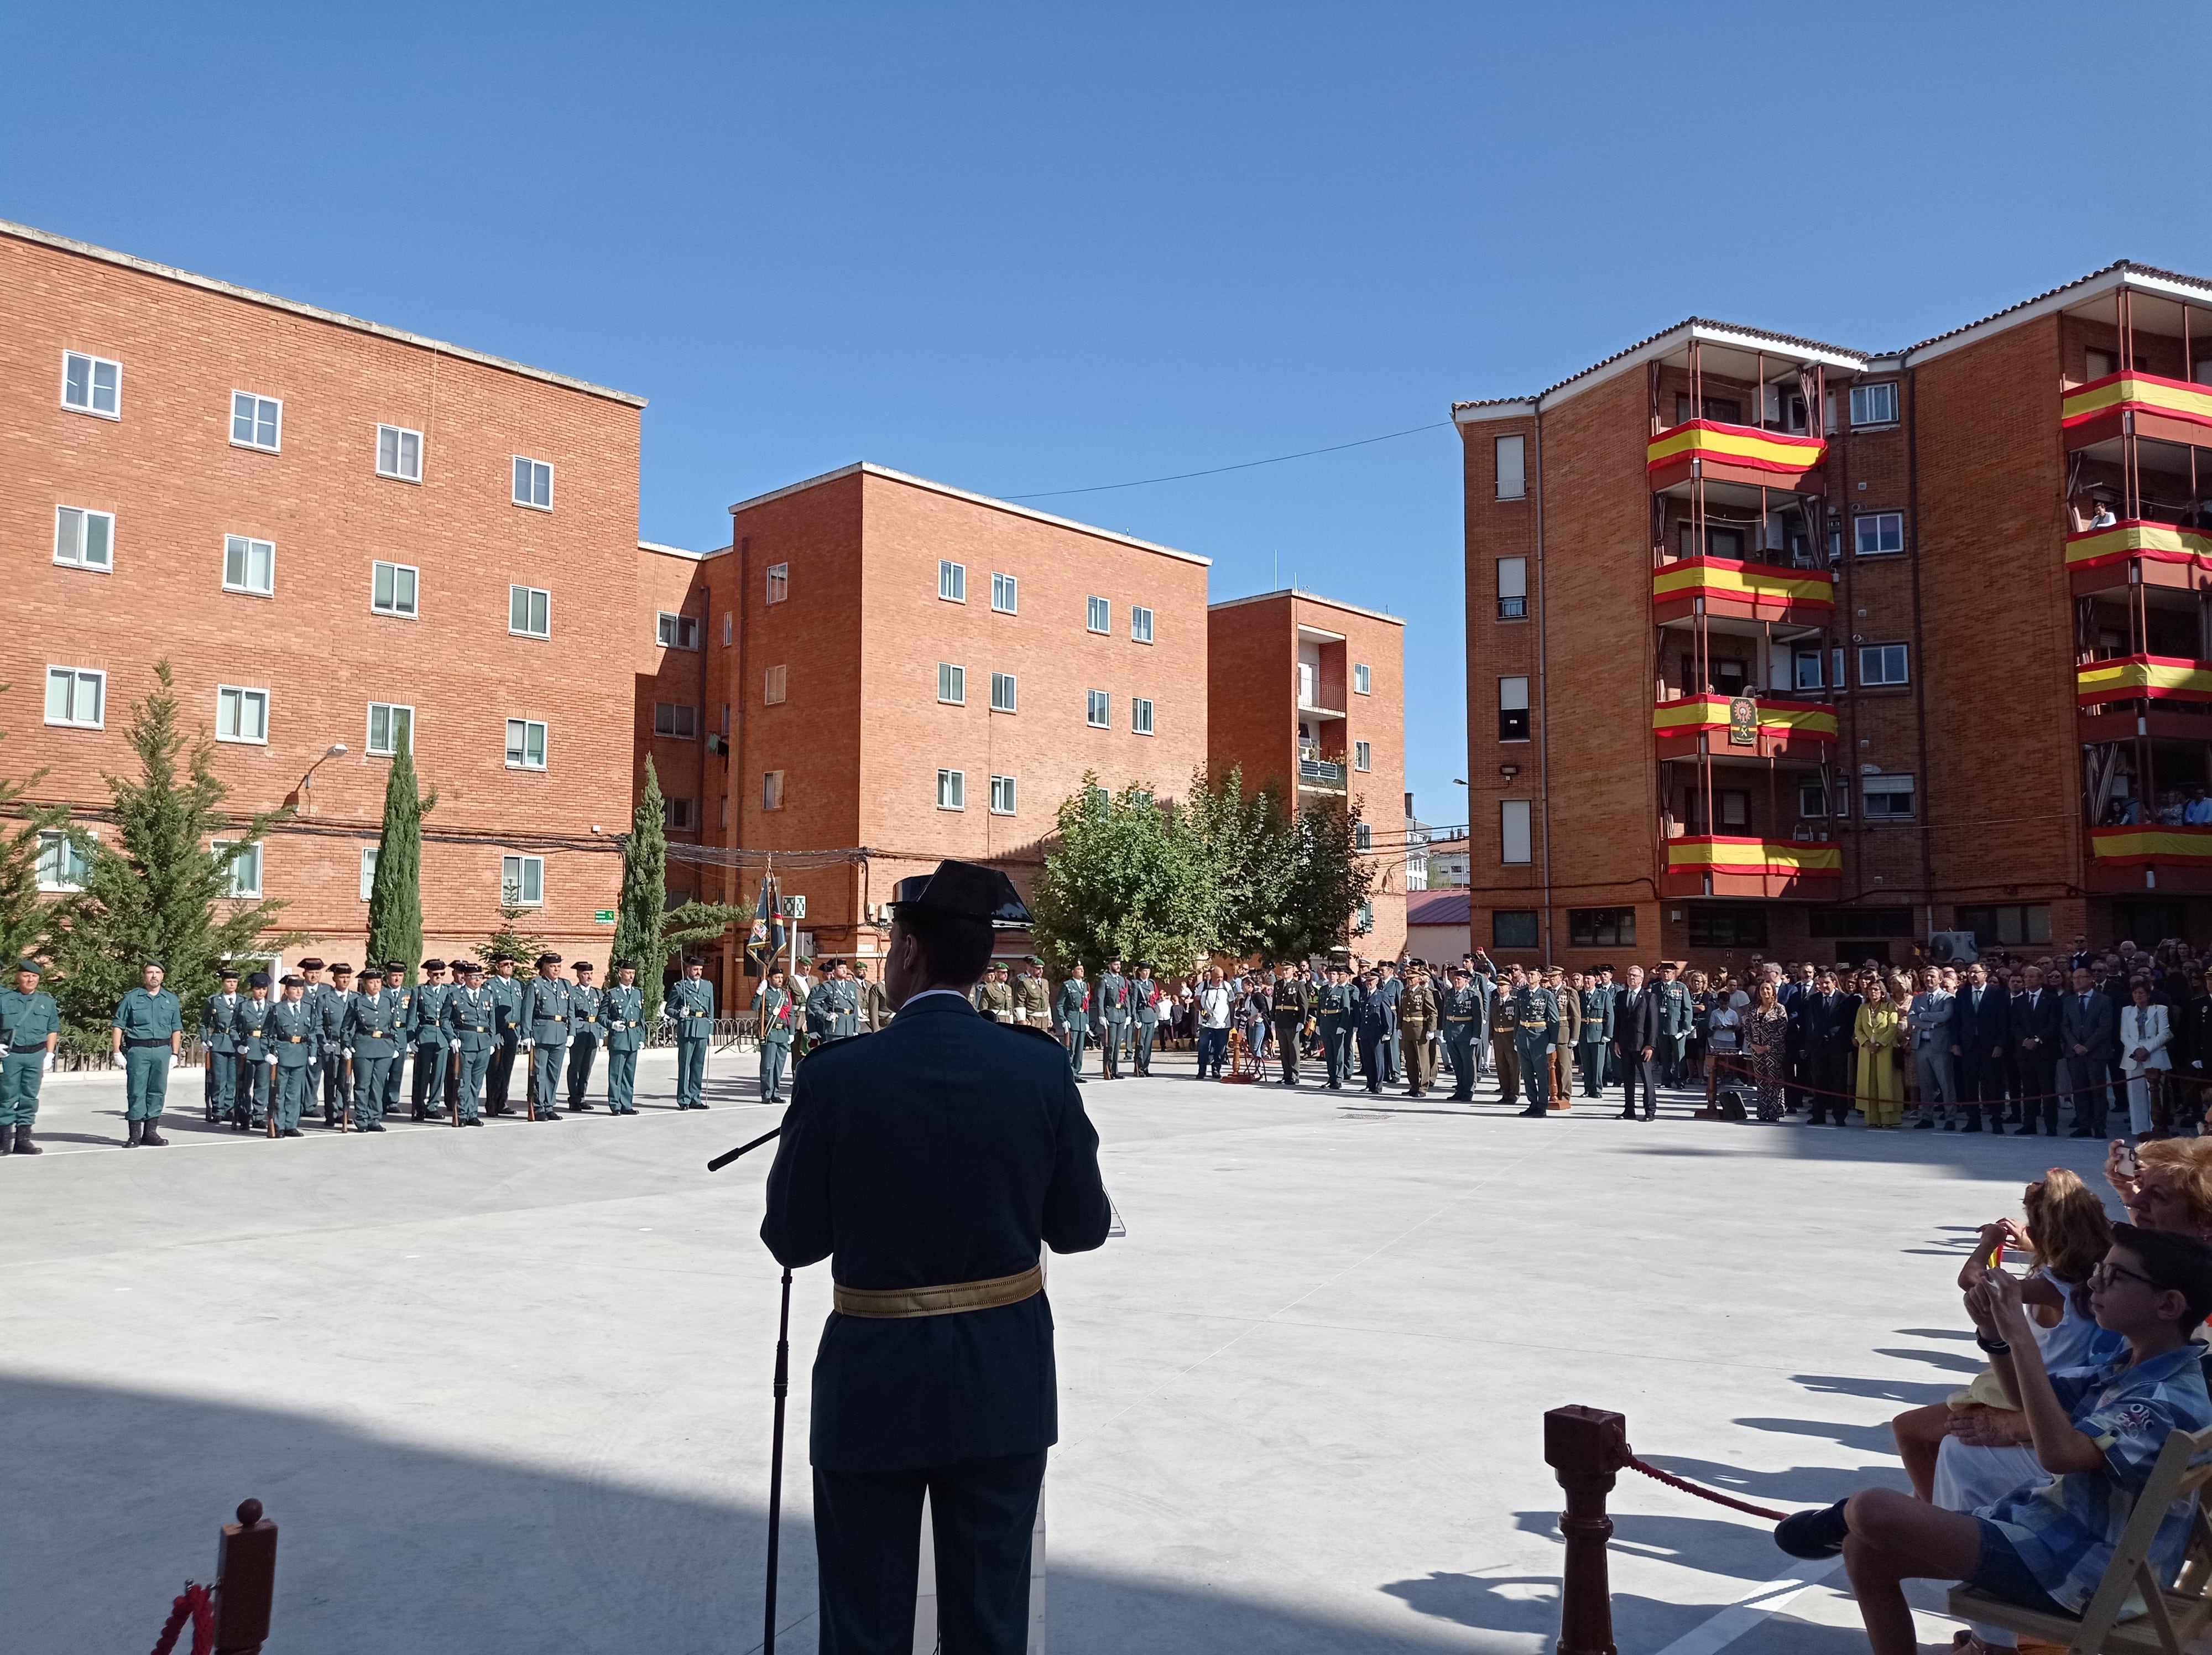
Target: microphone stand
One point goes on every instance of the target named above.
(782, 1389)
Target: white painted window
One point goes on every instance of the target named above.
(951, 684)
(1141, 715)
(1878, 531)
(779, 585)
(773, 688)
(392, 589)
(77, 697)
(84, 539)
(1366, 917)
(248, 565)
(61, 866)
(1005, 593)
(1513, 588)
(1099, 616)
(675, 720)
(1362, 752)
(391, 728)
(368, 871)
(1512, 467)
(522, 882)
(1886, 797)
(1140, 623)
(771, 789)
(244, 869)
(399, 453)
(1002, 692)
(92, 384)
(525, 743)
(242, 714)
(1874, 404)
(952, 581)
(1101, 713)
(1363, 836)
(678, 631)
(1805, 669)
(952, 790)
(1002, 796)
(1882, 663)
(529, 612)
(1363, 680)
(1514, 838)
(1513, 709)
(533, 483)
(256, 422)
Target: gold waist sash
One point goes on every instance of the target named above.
(886, 1304)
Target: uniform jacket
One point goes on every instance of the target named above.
(876, 1004)
(505, 994)
(777, 1009)
(1071, 1007)
(1597, 1016)
(373, 1025)
(1144, 999)
(547, 1004)
(994, 1000)
(1334, 1004)
(1289, 1000)
(472, 1019)
(1032, 1000)
(292, 1033)
(1675, 1007)
(25, 1019)
(1417, 1004)
(1113, 997)
(218, 1021)
(622, 1015)
(945, 1149)
(1532, 1005)
(331, 1008)
(692, 1004)
(154, 1016)
(1371, 1016)
(1570, 1004)
(584, 1002)
(426, 1016)
(250, 1028)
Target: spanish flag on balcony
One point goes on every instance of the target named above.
(1783, 858)
(1768, 590)
(1736, 445)
(1778, 721)
(2130, 847)
(2155, 678)
(2172, 398)
(2160, 542)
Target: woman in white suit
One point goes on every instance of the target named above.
(2145, 1029)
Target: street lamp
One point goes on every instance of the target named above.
(336, 749)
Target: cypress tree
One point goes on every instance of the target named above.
(395, 895)
(644, 898)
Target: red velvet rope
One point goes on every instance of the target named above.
(193, 1601)
(1672, 1482)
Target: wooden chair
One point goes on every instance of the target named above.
(2172, 1618)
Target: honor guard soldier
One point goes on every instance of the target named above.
(1071, 1014)
(30, 1028)
(545, 1009)
(833, 1009)
(997, 995)
(1567, 996)
(256, 1067)
(1676, 1014)
(584, 1035)
(1144, 1013)
(1032, 996)
(218, 1039)
(292, 1043)
(1460, 1009)
(371, 1037)
(1596, 1036)
(932, 1165)
(875, 1010)
(333, 1066)
(622, 1015)
(1333, 1010)
(1112, 1003)
(691, 1001)
(1290, 1002)
(1418, 1014)
(1371, 1029)
(1534, 1016)
(472, 1030)
(426, 1035)
(402, 998)
(149, 1033)
(777, 1011)
(507, 1001)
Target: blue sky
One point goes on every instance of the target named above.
(1022, 248)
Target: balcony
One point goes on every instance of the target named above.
(2142, 677)
(2166, 411)
(1742, 591)
(2151, 857)
(1321, 774)
(2138, 552)
(1802, 730)
(1712, 865)
(1733, 453)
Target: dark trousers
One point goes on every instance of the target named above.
(1336, 1048)
(1593, 1055)
(1212, 1051)
(867, 1548)
(1796, 1067)
(498, 1074)
(1635, 1067)
(1372, 1043)
(1828, 1085)
(1110, 1051)
(2038, 1085)
(1146, 1031)
(1286, 1048)
(1981, 1081)
(2087, 1079)
(430, 1064)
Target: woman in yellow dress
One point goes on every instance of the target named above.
(1876, 1033)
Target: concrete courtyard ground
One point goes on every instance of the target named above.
(506, 1390)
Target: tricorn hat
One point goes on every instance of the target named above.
(963, 889)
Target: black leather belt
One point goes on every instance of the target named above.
(40, 1046)
(130, 1045)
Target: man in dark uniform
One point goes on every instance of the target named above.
(1111, 1005)
(933, 1164)
(426, 1037)
(1459, 1007)
(216, 1039)
(333, 1007)
(472, 1031)
(1290, 1002)
(545, 1012)
(507, 1018)
(257, 1073)
(622, 1013)
(1371, 1029)
(30, 1030)
(1333, 1010)
(584, 1035)
(1071, 1014)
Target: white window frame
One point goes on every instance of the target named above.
(771, 789)
(1006, 693)
(76, 559)
(1799, 678)
(1862, 402)
(1872, 788)
(1363, 754)
(414, 609)
(1363, 836)
(252, 855)
(54, 846)
(78, 677)
(951, 581)
(1860, 523)
(1098, 616)
(1516, 823)
(526, 726)
(1006, 594)
(1004, 794)
(1140, 623)
(779, 582)
(400, 473)
(514, 893)
(729, 628)
(951, 684)
(276, 445)
(1362, 678)
(390, 748)
(668, 629)
(1098, 709)
(1141, 715)
(244, 694)
(367, 870)
(530, 594)
(1513, 588)
(527, 481)
(952, 789)
(775, 684)
(93, 365)
(1510, 456)
(1904, 654)
(675, 711)
(246, 544)
(680, 814)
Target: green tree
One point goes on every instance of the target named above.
(152, 892)
(685, 929)
(639, 911)
(1249, 860)
(395, 894)
(27, 918)
(1126, 878)
(1329, 878)
(522, 947)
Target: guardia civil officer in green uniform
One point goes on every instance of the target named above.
(691, 1001)
(1071, 1014)
(292, 1039)
(777, 1012)
(219, 1040)
(1459, 1007)
(1113, 1000)
(372, 1036)
(546, 1008)
(331, 1062)
(933, 1164)
(1676, 1014)
(507, 997)
(30, 1030)
(1145, 1011)
(585, 1034)
(621, 1014)
(1534, 1017)
(1334, 1007)
(255, 1061)
(426, 1033)
(150, 1034)
(472, 1031)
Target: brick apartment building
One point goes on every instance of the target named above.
(1308, 696)
(340, 535)
(1776, 646)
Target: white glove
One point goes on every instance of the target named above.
(345, 1051)
(270, 1060)
(53, 1063)
(527, 1044)
(452, 1045)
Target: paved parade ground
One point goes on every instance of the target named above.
(506, 1390)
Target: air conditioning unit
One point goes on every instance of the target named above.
(1952, 948)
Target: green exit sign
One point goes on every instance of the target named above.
(605, 916)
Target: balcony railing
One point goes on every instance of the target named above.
(1751, 591)
(1321, 773)
(1714, 865)
(2172, 410)
(2159, 542)
(1777, 729)
(2142, 677)
(1731, 453)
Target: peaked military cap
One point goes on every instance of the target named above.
(294, 980)
(623, 966)
(963, 889)
(31, 966)
(228, 973)
(585, 965)
(342, 968)
(259, 980)
(549, 960)
(434, 964)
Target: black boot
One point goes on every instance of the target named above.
(23, 1144)
(136, 1127)
(151, 1138)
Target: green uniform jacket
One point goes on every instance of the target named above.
(1461, 1006)
(774, 1006)
(333, 1006)
(547, 1007)
(250, 1028)
(149, 1016)
(25, 1019)
(1675, 1009)
(371, 1026)
(1071, 1007)
(1597, 1016)
(472, 1019)
(505, 994)
(692, 1004)
(218, 1018)
(584, 1002)
(1332, 1002)
(621, 1014)
(426, 1017)
(1532, 1011)
(291, 1033)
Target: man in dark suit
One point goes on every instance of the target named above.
(1828, 1018)
(2089, 1031)
(933, 1163)
(2034, 1015)
(1635, 1042)
(1980, 1025)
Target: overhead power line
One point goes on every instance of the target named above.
(1245, 466)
